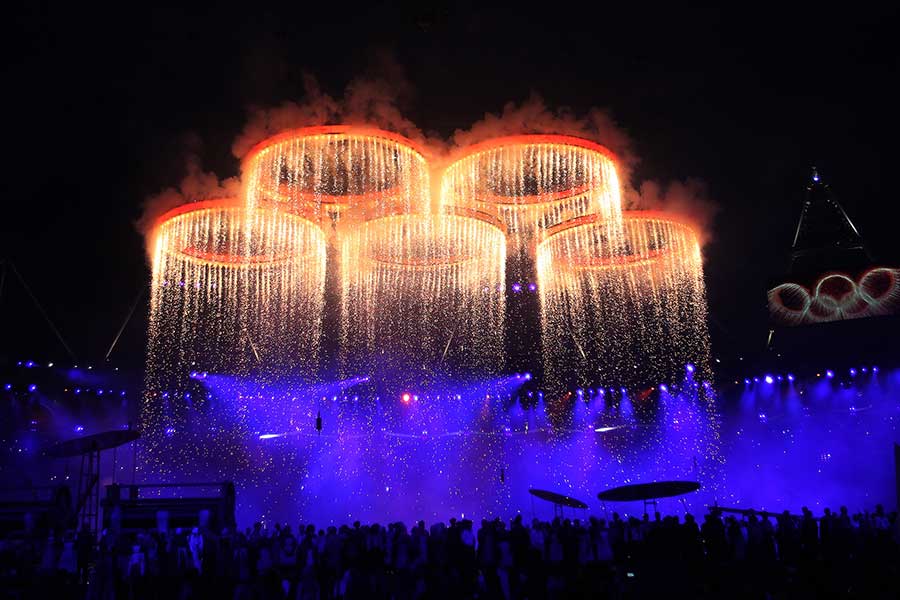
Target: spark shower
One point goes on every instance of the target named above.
(337, 263)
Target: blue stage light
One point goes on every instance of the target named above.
(32, 388)
(527, 375)
(790, 377)
(829, 374)
(663, 387)
(532, 287)
(746, 381)
(689, 367)
(7, 386)
(517, 287)
(769, 379)
(79, 428)
(852, 372)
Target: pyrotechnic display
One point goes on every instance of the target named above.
(326, 171)
(621, 305)
(423, 295)
(234, 287)
(337, 292)
(448, 300)
(532, 182)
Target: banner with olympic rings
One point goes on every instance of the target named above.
(835, 297)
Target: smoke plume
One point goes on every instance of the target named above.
(373, 99)
(687, 199)
(533, 116)
(377, 99)
(196, 185)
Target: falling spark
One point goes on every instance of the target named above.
(229, 285)
(406, 278)
(241, 288)
(633, 300)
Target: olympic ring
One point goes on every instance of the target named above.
(837, 296)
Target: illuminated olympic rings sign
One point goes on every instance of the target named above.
(837, 296)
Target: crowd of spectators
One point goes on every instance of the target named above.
(725, 556)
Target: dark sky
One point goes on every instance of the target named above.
(99, 105)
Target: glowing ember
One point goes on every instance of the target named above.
(629, 309)
(535, 181)
(325, 171)
(422, 295)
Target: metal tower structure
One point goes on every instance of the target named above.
(826, 239)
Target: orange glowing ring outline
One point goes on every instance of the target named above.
(338, 202)
(624, 261)
(538, 139)
(535, 139)
(205, 257)
(325, 130)
(453, 261)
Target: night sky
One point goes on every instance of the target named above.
(101, 109)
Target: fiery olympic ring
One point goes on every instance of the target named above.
(429, 242)
(645, 238)
(224, 233)
(336, 168)
(534, 180)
